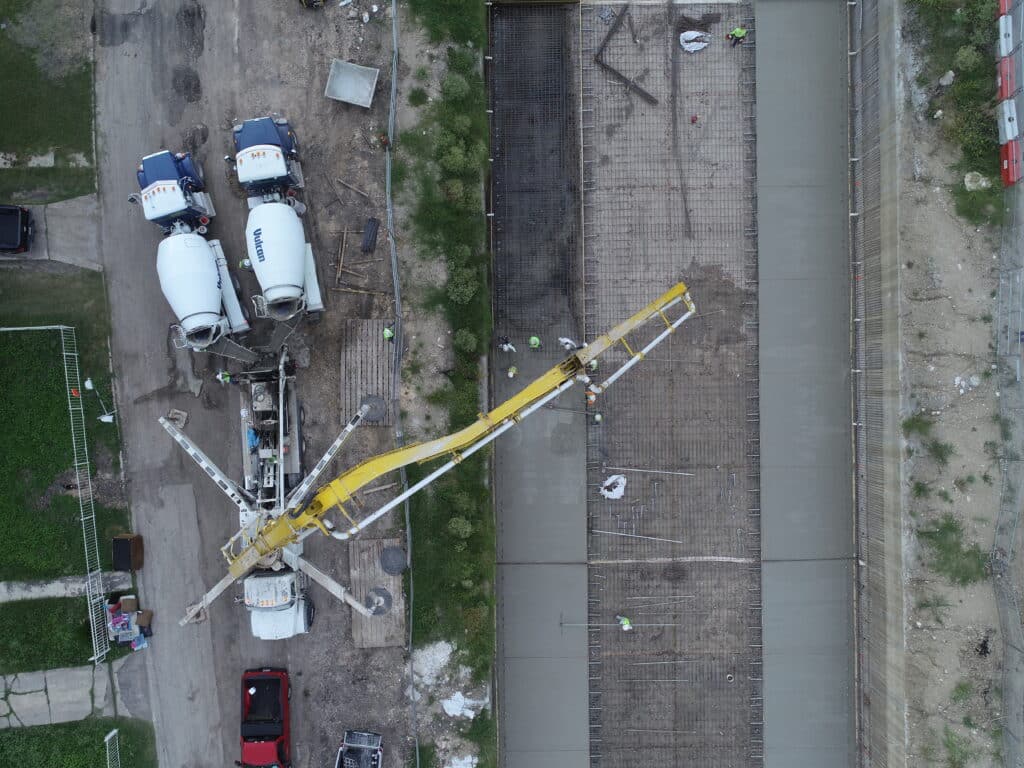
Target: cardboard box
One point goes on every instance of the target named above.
(144, 619)
(129, 604)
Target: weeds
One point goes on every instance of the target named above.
(962, 483)
(961, 565)
(936, 605)
(940, 451)
(962, 692)
(921, 489)
(918, 424)
(968, 722)
(417, 97)
(944, 495)
(958, 749)
(987, 479)
(1005, 427)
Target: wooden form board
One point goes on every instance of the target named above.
(365, 574)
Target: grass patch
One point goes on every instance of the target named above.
(79, 745)
(45, 539)
(424, 756)
(34, 186)
(417, 97)
(960, 36)
(940, 451)
(958, 749)
(44, 634)
(53, 114)
(447, 155)
(483, 731)
(462, 21)
(453, 539)
(982, 206)
(962, 692)
(961, 565)
(918, 424)
(921, 489)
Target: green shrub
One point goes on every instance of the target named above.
(466, 341)
(418, 97)
(454, 86)
(966, 58)
(460, 528)
(462, 285)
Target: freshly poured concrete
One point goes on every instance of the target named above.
(806, 464)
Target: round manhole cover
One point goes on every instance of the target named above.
(379, 601)
(378, 408)
(392, 560)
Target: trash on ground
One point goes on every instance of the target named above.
(614, 487)
(693, 41)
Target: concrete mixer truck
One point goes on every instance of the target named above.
(266, 163)
(193, 272)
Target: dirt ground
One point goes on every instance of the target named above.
(947, 288)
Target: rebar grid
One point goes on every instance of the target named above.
(535, 166)
(668, 193)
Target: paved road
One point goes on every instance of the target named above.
(172, 75)
(806, 484)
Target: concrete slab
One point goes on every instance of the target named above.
(806, 463)
(545, 696)
(73, 232)
(131, 693)
(808, 663)
(69, 586)
(24, 682)
(70, 693)
(532, 615)
(30, 708)
(102, 691)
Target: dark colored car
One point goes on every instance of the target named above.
(17, 229)
(266, 719)
(360, 749)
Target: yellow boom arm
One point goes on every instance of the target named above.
(336, 494)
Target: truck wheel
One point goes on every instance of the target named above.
(310, 613)
(302, 415)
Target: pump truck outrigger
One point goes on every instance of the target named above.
(251, 548)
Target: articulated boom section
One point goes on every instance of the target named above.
(336, 494)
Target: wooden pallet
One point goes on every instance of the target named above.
(365, 574)
(367, 362)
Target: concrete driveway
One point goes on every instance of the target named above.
(174, 75)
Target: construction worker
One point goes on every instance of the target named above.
(389, 334)
(625, 623)
(738, 35)
(223, 377)
(512, 371)
(598, 418)
(505, 345)
(568, 344)
(535, 342)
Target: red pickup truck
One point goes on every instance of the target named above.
(266, 720)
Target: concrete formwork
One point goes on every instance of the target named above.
(667, 195)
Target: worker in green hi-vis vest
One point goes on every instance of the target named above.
(737, 36)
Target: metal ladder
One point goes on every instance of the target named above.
(83, 480)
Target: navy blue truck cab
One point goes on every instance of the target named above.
(172, 192)
(266, 158)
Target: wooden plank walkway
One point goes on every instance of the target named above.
(367, 362)
(367, 575)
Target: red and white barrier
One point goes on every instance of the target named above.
(1006, 78)
(1010, 162)
(1005, 35)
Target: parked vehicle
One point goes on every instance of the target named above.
(266, 722)
(17, 229)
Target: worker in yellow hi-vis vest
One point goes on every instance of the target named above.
(738, 35)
